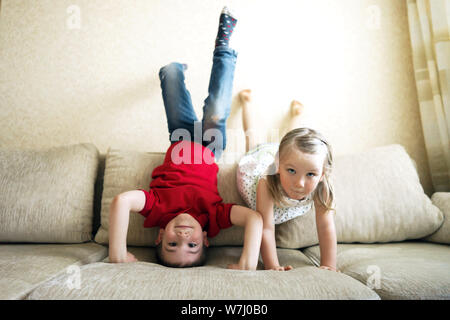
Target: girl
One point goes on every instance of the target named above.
(284, 181)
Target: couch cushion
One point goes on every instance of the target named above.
(124, 171)
(226, 184)
(25, 266)
(48, 195)
(379, 198)
(442, 201)
(130, 170)
(144, 280)
(409, 270)
(299, 232)
(378, 194)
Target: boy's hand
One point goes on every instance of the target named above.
(119, 215)
(128, 258)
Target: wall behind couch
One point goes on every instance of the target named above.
(76, 71)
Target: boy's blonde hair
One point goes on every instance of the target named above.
(308, 141)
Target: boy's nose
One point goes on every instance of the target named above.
(184, 233)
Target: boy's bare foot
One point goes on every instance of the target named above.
(296, 108)
(245, 96)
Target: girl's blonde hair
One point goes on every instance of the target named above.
(308, 141)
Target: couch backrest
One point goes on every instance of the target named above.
(63, 194)
(378, 199)
(47, 195)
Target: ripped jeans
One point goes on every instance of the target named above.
(181, 118)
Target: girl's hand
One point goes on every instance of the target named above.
(329, 268)
(236, 266)
(280, 268)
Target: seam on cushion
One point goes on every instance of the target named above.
(80, 262)
(311, 257)
(92, 258)
(26, 295)
(316, 262)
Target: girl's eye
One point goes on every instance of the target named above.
(291, 171)
(172, 244)
(311, 174)
(192, 245)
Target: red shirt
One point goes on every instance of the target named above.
(186, 182)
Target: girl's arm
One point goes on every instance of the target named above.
(264, 205)
(119, 215)
(252, 222)
(327, 237)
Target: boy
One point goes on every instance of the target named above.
(183, 199)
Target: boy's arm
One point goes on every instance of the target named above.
(119, 216)
(264, 205)
(326, 232)
(252, 222)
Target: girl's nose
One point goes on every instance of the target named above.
(300, 183)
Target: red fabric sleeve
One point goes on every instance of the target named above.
(223, 215)
(221, 220)
(149, 201)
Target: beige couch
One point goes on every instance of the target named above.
(393, 241)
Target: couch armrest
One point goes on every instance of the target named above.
(442, 201)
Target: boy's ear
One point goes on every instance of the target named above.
(205, 239)
(159, 237)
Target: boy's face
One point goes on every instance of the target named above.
(182, 240)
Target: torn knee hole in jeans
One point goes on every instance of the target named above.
(215, 118)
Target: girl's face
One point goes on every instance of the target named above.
(300, 173)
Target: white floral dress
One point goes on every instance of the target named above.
(256, 163)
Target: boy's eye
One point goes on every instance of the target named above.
(172, 244)
(192, 245)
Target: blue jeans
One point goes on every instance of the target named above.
(181, 118)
